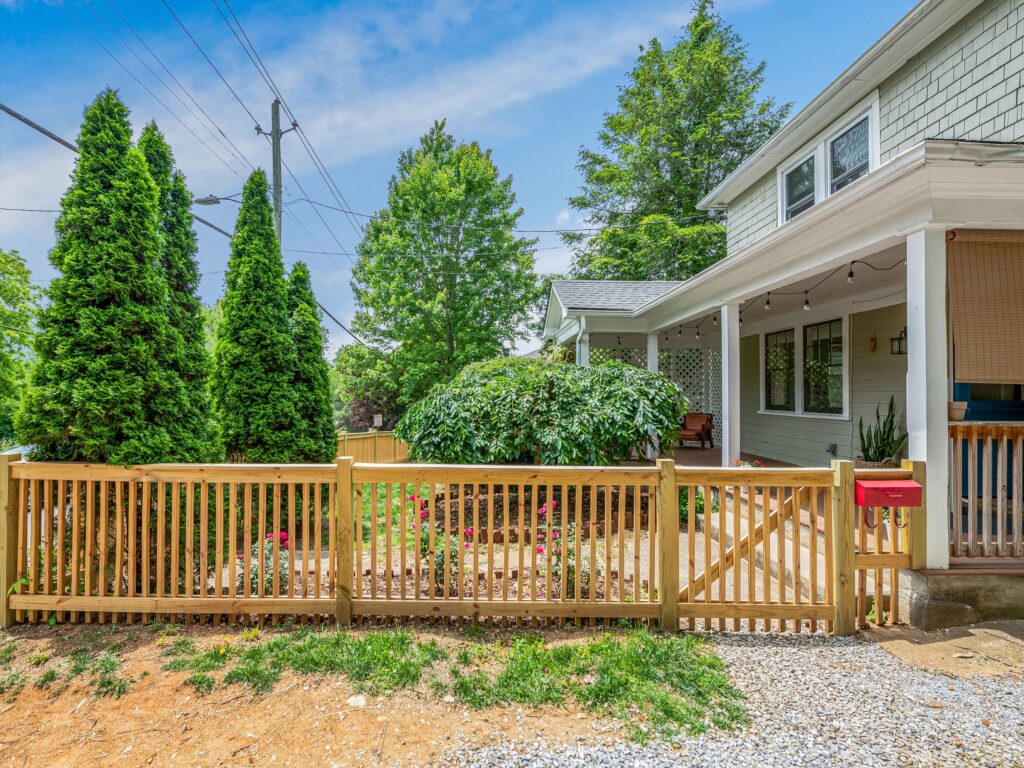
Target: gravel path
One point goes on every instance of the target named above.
(818, 701)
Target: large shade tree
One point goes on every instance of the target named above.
(196, 427)
(442, 279)
(318, 440)
(254, 354)
(686, 117)
(102, 388)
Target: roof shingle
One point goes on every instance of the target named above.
(613, 295)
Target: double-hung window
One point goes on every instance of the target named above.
(799, 188)
(849, 155)
(823, 367)
(780, 371)
(803, 370)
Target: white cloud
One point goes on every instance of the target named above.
(562, 217)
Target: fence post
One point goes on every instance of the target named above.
(918, 516)
(10, 508)
(843, 527)
(667, 517)
(343, 555)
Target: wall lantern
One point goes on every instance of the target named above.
(898, 344)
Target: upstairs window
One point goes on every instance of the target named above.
(799, 186)
(849, 155)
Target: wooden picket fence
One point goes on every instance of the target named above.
(775, 548)
(373, 447)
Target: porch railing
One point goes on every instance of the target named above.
(986, 491)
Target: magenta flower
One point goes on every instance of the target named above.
(423, 513)
(558, 550)
(469, 531)
(554, 504)
(554, 535)
(540, 549)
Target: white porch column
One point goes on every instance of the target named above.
(652, 352)
(730, 321)
(583, 350)
(928, 380)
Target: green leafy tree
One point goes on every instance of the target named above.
(441, 279)
(196, 426)
(518, 410)
(687, 116)
(318, 439)
(367, 384)
(102, 388)
(18, 307)
(254, 355)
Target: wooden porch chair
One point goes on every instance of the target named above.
(698, 427)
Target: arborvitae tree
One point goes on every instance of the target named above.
(99, 391)
(18, 308)
(254, 355)
(312, 381)
(196, 429)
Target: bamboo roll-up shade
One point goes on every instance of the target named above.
(986, 289)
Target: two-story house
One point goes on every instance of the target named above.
(875, 249)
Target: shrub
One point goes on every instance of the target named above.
(283, 566)
(514, 411)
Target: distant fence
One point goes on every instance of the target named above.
(769, 547)
(373, 447)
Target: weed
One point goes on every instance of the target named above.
(7, 653)
(48, 678)
(475, 633)
(251, 634)
(38, 659)
(12, 683)
(108, 682)
(200, 682)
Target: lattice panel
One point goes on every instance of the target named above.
(686, 368)
(713, 388)
(628, 355)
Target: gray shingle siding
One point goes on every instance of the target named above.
(965, 85)
(752, 214)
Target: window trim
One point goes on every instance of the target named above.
(798, 374)
(764, 369)
(819, 149)
(814, 193)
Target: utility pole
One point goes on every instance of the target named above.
(275, 145)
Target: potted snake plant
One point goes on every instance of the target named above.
(881, 442)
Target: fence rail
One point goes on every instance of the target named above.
(986, 484)
(768, 547)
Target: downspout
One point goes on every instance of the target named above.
(579, 336)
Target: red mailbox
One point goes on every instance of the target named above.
(888, 493)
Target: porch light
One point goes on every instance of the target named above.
(768, 303)
(807, 303)
(898, 344)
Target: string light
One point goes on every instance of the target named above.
(618, 340)
(807, 303)
(680, 333)
(714, 319)
(698, 333)
(849, 275)
(768, 302)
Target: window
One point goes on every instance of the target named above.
(849, 155)
(823, 367)
(780, 371)
(799, 185)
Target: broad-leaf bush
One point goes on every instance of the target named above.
(514, 410)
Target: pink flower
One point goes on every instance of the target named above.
(554, 535)
(540, 549)
(554, 504)
(412, 497)
(423, 513)
(542, 511)
(466, 545)
(558, 550)
(469, 531)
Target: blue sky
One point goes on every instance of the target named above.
(530, 80)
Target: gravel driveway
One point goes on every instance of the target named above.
(819, 701)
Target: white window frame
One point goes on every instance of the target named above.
(798, 362)
(820, 148)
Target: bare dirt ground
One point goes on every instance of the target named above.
(305, 721)
(979, 650)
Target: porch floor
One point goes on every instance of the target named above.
(693, 456)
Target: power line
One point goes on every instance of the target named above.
(209, 61)
(264, 72)
(38, 127)
(145, 87)
(33, 210)
(229, 145)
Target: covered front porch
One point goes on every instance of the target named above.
(902, 287)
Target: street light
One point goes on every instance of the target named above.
(214, 200)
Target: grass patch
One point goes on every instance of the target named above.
(377, 662)
(48, 678)
(7, 654)
(12, 683)
(38, 659)
(201, 682)
(658, 685)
